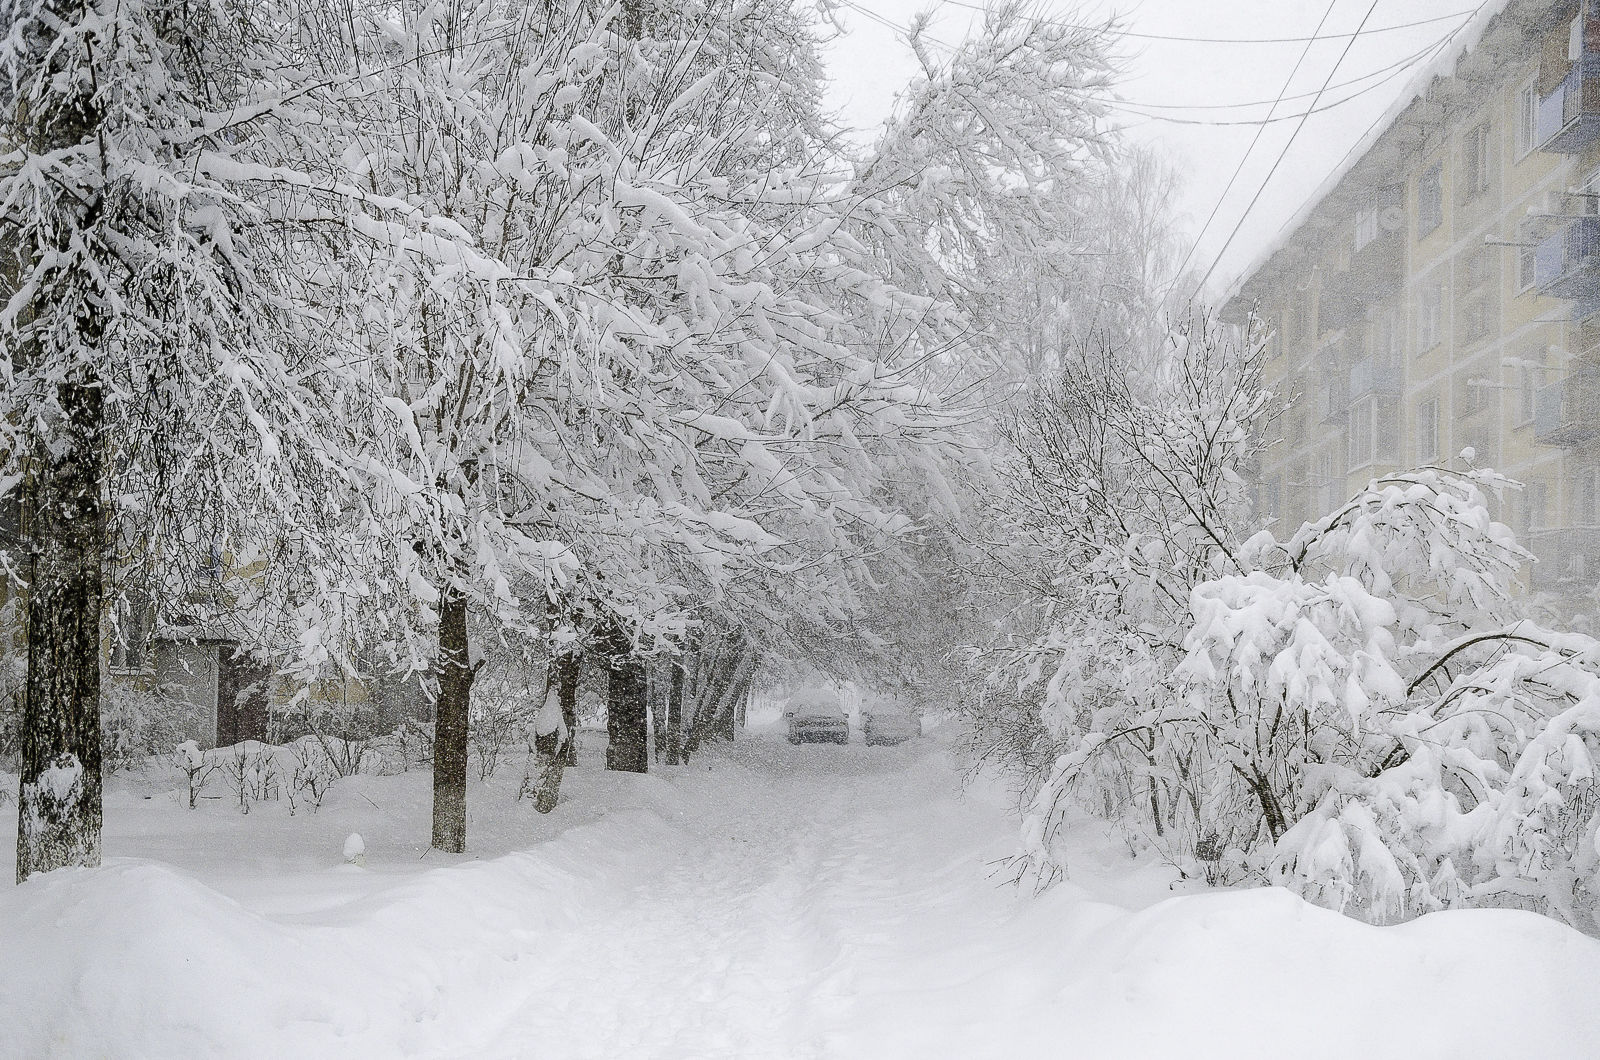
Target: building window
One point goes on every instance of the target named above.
(1366, 227)
(1429, 299)
(1428, 431)
(1585, 498)
(1361, 425)
(1385, 337)
(1534, 500)
(1527, 120)
(130, 633)
(1430, 199)
(1530, 377)
(1329, 485)
(1478, 268)
(1475, 161)
(1470, 396)
(1386, 425)
(1300, 324)
(1475, 320)
(1525, 268)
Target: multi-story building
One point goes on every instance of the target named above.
(1442, 292)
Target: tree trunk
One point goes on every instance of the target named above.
(550, 754)
(59, 808)
(675, 717)
(627, 713)
(567, 686)
(450, 728)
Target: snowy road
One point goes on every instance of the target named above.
(789, 903)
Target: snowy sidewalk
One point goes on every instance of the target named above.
(789, 903)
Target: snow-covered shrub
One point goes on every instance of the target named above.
(196, 766)
(1364, 711)
(1125, 493)
(501, 706)
(251, 768)
(410, 744)
(311, 773)
(136, 723)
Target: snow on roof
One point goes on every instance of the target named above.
(1458, 46)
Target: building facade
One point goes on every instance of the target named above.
(1442, 293)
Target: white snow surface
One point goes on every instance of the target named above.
(809, 902)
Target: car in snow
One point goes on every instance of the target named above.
(890, 726)
(814, 715)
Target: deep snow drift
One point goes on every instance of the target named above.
(790, 902)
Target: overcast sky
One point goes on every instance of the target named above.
(1170, 77)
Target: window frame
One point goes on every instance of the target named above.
(1430, 200)
(1429, 405)
(1475, 161)
(1527, 119)
(1430, 315)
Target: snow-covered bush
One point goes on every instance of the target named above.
(501, 709)
(1364, 711)
(136, 723)
(1124, 493)
(311, 773)
(251, 768)
(196, 766)
(410, 744)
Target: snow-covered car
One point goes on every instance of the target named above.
(816, 716)
(890, 727)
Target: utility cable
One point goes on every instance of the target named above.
(1317, 34)
(1283, 153)
(1177, 276)
(1398, 64)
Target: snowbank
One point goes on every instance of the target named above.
(789, 903)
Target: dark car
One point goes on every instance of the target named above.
(815, 716)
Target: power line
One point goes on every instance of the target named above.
(1445, 44)
(1140, 108)
(1396, 65)
(1272, 119)
(1248, 151)
(1281, 154)
(1317, 34)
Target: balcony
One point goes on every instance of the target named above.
(1567, 265)
(1567, 412)
(1369, 376)
(1569, 557)
(1569, 117)
(1333, 404)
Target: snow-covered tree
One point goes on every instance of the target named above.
(164, 402)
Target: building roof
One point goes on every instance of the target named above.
(1440, 81)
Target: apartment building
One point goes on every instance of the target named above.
(1442, 293)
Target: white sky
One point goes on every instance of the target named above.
(869, 64)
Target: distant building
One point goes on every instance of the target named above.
(1443, 291)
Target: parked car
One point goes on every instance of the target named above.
(890, 726)
(815, 716)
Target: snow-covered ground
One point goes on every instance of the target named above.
(787, 902)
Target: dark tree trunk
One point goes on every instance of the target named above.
(627, 711)
(450, 728)
(58, 806)
(675, 717)
(551, 761)
(59, 809)
(567, 689)
(551, 750)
